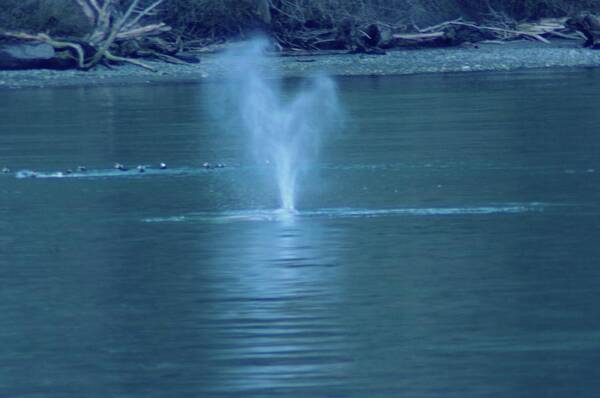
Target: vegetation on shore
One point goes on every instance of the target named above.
(227, 18)
(104, 31)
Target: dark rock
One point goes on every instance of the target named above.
(373, 36)
(589, 25)
(25, 55)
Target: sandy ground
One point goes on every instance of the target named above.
(487, 57)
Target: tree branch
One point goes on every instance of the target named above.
(113, 34)
(52, 42)
(144, 13)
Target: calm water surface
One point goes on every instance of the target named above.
(447, 245)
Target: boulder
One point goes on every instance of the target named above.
(25, 55)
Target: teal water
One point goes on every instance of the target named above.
(446, 245)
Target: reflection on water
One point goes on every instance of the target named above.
(445, 245)
(278, 314)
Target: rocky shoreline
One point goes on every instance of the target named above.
(510, 56)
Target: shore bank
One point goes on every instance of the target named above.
(510, 56)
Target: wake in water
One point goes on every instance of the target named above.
(117, 173)
(280, 215)
(284, 131)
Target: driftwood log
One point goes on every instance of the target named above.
(118, 35)
(128, 34)
(375, 38)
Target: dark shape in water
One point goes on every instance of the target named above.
(141, 169)
(162, 166)
(121, 167)
(207, 165)
(81, 169)
(5, 170)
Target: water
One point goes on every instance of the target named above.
(446, 245)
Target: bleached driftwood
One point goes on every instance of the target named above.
(111, 26)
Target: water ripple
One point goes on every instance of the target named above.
(113, 173)
(189, 170)
(343, 212)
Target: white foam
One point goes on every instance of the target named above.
(281, 215)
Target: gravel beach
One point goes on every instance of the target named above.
(510, 56)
